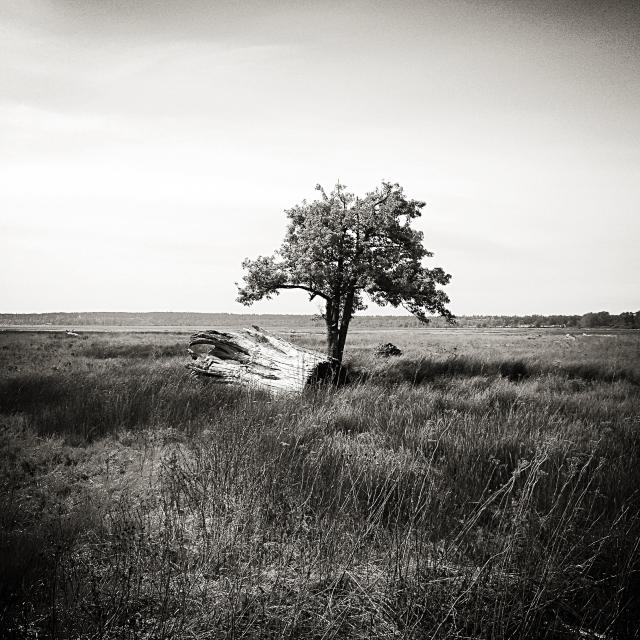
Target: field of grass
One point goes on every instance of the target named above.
(486, 484)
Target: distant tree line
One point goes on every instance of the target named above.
(599, 319)
(625, 320)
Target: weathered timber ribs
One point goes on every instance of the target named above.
(254, 357)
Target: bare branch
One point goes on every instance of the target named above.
(313, 292)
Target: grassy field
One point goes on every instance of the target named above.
(486, 484)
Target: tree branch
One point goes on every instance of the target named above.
(384, 198)
(314, 292)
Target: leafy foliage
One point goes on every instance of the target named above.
(341, 247)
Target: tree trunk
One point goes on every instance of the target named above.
(333, 332)
(333, 345)
(347, 313)
(333, 342)
(253, 357)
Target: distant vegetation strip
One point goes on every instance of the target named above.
(626, 320)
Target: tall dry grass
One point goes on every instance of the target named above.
(440, 496)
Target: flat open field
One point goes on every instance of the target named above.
(486, 484)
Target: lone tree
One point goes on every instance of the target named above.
(341, 246)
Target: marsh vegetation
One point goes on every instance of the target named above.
(482, 485)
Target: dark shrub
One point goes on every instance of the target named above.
(387, 350)
(515, 370)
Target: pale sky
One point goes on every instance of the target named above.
(147, 147)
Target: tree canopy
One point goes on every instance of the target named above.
(340, 247)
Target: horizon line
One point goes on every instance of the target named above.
(309, 315)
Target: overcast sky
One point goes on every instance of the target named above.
(147, 147)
